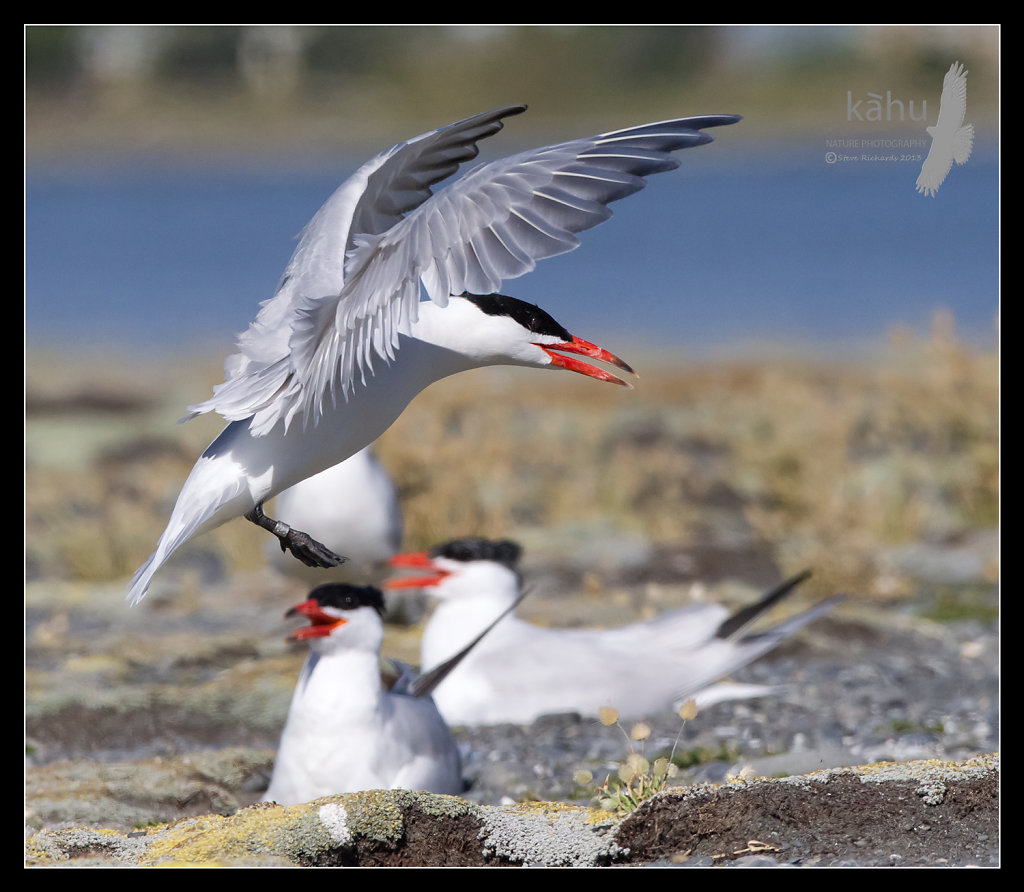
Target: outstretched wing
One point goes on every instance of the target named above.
(953, 103)
(377, 197)
(370, 201)
(493, 224)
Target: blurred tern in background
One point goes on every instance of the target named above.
(353, 507)
(523, 671)
(346, 342)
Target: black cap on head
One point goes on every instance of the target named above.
(474, 548)
(343, 596)
(528, 315)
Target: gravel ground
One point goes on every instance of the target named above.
(856, 695)
(210, 679)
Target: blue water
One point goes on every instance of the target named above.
(743, 248)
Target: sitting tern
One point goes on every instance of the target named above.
(345, 731)
(346, 341)
(522, 671)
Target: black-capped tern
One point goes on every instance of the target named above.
(346, 341)
(522, 671)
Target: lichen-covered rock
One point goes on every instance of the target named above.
(929, 812)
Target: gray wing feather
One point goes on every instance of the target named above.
(424, 685)
(265, 378)
(493, 224)
(403, 182)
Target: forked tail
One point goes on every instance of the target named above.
(204, 503)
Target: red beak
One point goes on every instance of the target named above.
(585, 348)
(321, 624)
(417, 560)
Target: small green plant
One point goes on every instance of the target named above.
(637, 778)
(905, 726)
(701, 755)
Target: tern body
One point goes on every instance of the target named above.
(522, 671)
(240, 470)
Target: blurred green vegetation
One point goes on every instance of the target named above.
(155, 87)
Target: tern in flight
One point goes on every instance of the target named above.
(346, 342)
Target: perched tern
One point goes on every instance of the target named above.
(346, 342)
(347, 732)
(522, 671)
(353, 507)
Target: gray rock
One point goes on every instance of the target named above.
(864, 816)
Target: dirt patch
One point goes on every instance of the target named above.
(823, 822)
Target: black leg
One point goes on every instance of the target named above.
(302, 545)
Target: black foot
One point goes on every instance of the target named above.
(300, 544)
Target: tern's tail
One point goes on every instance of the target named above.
(733, 647)
(733, 653)
(139, 585)
(214, 493)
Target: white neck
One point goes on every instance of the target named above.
(336, 685)
(470, 602)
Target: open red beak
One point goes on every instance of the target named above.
(415, 560)
(321, 624)
(585, 348)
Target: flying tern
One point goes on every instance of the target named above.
(347, 341)
(522, 671)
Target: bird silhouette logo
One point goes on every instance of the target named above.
(952, 140)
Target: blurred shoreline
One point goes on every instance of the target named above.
(187, 94)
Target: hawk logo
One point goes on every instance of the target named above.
(951, 138)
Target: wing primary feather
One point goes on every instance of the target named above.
(428, 682)
(384, 237)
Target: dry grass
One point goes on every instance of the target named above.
(828, 462)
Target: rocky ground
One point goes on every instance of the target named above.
(150, 729)
(895, 814)
(141, 716)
